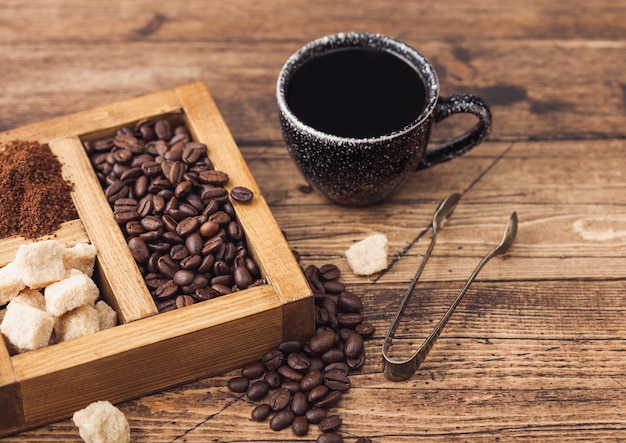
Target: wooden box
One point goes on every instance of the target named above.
(148, 352)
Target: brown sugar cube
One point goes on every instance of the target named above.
(70, 293)
(76, 323)
(101, 422)
(81, 256)
(40, 263)
(26, 328)
(10, 283)
(106, 314)
(369, 255)
(31, 297)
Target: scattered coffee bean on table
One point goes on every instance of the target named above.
(34, 197)
(298, 383)
(175, 213)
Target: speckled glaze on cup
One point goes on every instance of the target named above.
(363, 171)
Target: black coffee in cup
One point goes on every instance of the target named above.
(357, 92)
(356, 111)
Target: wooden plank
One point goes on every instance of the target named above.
(123, 284)
(201, 340)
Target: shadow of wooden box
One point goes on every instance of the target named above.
(149, 352)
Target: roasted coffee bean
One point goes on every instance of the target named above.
(330, 400)
(183, 188)
(129, 142)
(316, 415)
(241, 194)
(220, 217)
(349, 319)
(214, 177)
(290, 346)
(333, 287)
(154, 280)
(166, 305)
(322, 341)
(178, 252)
(204, 294)
(317, 393)
(241, 275)
(261, 412)
(166, 290)
(337, 381)
(187, 225)
(291, 385)
(139, 249)
(333, 355)
(184, 277)
(366, 329)
(184, 300)
(299, 403)
(234, 230)
(151, 223)
(281, 420)
(252, 370)
(190, 263)
(169, 223)
(280, 399)
(300, 426)
(257, 390)
(167, 266)
(289, 373)
(163, 129)
(329, 272)
(207, 264)
(329, 437)
(125, 215)
(193, 151)
(329, 304)
(194, 243)
(344, 333)
(133, 228)
(208, 228)
(356, 362)
(311, 379)
(298, 361)
(221, 289)
(339, 366)
(273, 359)
(273, 379)
(216, 194)
(330, 423)
(224, 280)
(349, 302)
(353, 345)
(322, 316)
(212, 245)
(363, 440)
(316, 363)
(151, 168)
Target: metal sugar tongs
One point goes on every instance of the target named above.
(399, 370)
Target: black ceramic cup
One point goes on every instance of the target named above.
(356, 111)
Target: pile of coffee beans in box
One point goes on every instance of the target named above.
(297, 384)
(175, 212)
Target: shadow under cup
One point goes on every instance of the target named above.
(356, 112)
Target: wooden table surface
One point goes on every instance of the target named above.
(537, 349)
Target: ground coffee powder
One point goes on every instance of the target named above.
(34, 197)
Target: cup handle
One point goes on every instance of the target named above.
(457, 104)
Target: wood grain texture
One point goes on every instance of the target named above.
(537, 349)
